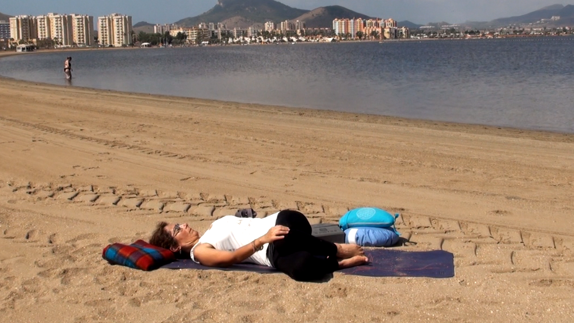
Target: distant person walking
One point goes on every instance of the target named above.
(68, 68)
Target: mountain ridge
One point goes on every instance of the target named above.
(252, 11)
(245, 13)
(565, 12)
(4, 16)
(323, 16)
(542, 13)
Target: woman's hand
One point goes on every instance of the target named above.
(278, 232)
(207, 255)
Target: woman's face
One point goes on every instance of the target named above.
(182, 233)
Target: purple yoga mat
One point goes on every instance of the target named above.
(382, 263)
(189, 264)
(397, 263)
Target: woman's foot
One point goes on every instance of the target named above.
(346, 250)
(353, 261)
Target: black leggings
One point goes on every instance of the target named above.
(300, 255)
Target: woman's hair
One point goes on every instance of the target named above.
(69, 57)
(161, 238)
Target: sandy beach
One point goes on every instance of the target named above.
(82, 168)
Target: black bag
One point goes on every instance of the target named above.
(246, 213)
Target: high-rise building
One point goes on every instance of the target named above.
(115, 30)
(299, 25)
(359, 26)
(373, 23)
(23, 28)
(286, 25)
(161, 29)
(61, 29)
(352, 27)
(105, 30)
(341, 26)
(269, 26)
(201, 34)
(123, 30)
(66, 30)
(44, 28)
(390, 23)
(4, 29)
(83, 29)
(370, 28)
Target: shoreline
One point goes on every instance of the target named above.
(430, 121)
(82, 168)
(371, 118)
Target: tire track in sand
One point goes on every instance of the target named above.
(490, 248)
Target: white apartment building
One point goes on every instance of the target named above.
(193, 34)
(286, 26)
(161, 29)
(352, 28)
(44, 28)
(61, 29)
(299, 25)
(389, 23)
(115, 30)
(341, 26)
(123, 30)
(269, 26)
(65, 29)
(83, 29)
(23, 28)
(373, 23)
(105, 30)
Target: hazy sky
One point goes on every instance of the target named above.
(169, 11)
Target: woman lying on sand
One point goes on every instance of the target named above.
(282, 240)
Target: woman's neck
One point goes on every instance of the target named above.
(186, 248)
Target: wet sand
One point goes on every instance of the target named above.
(82, 168)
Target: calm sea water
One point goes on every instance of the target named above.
(522, 83)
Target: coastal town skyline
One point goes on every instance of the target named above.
(417, 11)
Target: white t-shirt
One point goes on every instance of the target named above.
(230, 233)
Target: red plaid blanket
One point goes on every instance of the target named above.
(139, 255)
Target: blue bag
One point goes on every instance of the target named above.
(371, 237)
(368, 217)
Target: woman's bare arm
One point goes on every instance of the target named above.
(207, 255)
